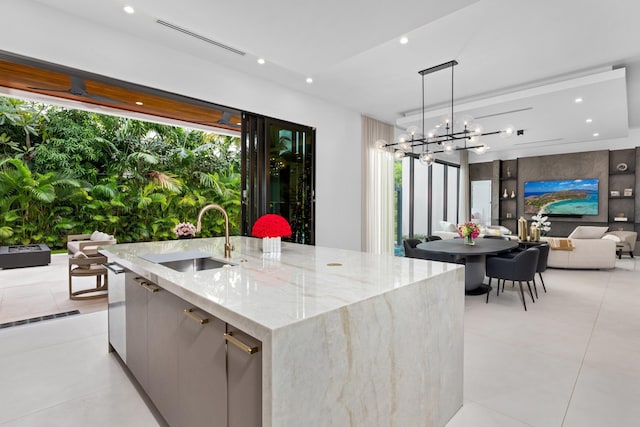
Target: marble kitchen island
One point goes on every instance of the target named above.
(346, 338)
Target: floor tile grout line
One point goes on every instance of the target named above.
(499, 412)
(595, 322)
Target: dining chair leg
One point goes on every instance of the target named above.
(489, 290)
(542, 280)
(535, 289)
(530, 293)
(522, 294)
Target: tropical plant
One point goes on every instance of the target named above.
(33, 204)
(86, 172)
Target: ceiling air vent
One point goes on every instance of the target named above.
(519, 110)
(199, 37)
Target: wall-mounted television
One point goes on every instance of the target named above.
(570, 197)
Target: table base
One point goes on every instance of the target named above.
(480, 290)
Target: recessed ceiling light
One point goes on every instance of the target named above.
(404, 40)
(578, 100)
(130, 10)
(596, 134)
(139, 103)
(309, 80)
(588, 120)
(260, 61)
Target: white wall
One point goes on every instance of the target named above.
(34, 30)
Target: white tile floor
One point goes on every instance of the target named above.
(39, 291)
(571, 360)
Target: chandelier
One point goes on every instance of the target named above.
(448, 136)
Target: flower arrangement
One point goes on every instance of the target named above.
(271, 225)
(470, 231)
(542, 222)
(184, 229)
(467, 229)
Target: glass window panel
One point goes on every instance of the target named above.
(420, 205)
(452, 194)
(437, 200)
(405, 197)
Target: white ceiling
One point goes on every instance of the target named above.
(538, 55)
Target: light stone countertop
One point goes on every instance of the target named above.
(375, 340)
(265, 292)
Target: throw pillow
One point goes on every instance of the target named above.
(560, 244)
(612, 237)
(448, 226)
(82, 255)
(501, 229)
(588, 232)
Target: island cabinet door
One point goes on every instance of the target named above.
(202, 374)
(164, 315)
(244, 378)
(136, 327)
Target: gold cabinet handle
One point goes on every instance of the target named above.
(202, 320)
(150, 287)
(242, 346)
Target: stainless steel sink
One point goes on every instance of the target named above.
(187, 261)
(195, 264)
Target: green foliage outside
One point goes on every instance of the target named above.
(68, 172)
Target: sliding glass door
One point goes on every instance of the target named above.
(278, 174)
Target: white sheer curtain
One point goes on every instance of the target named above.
(377, 194)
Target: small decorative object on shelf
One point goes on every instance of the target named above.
(505, 194)
(185, 230)
(271, 228)
(620, 217)
(622, 167)
(541, 222)
(469, 231)
(513, 194)
(534, 233)
(628, 192)
(508, 172)
(509, 215)
(522, 230)
(614, 193)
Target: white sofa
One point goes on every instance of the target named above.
(449, 230)
(590, 250)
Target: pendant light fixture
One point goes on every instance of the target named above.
(449, 136)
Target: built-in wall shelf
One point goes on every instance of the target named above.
(619, 181)
(508, 182)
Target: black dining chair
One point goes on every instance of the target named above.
(522, 268)
(542, 265)
(432, 238)
(489, 236)
(410, 247)
(412, 251)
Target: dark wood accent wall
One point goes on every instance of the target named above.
(592, 164)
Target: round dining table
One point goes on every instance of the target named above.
(474, 258)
